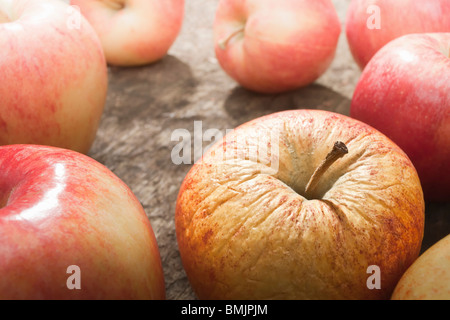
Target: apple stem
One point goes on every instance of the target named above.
(338, 151)
(224, 42)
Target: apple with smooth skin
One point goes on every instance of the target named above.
(301, 204)
(273, 46)
(428, 278)
(371, 24)
(134, 32)
(404, 92)
(60, 208)
(53, 75)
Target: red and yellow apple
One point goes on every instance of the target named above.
(428, 278)
(59, 209)
(264, 214)
(53, 76)
(404, 92)
(134, 32)
(273, 46)
(371, 24)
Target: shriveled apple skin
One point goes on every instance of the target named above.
(246, 233)
(429, 276)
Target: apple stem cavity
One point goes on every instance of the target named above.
(116, 4)
(224, 42)
(4, 201)
(338, 151)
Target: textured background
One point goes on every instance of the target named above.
(146, 104)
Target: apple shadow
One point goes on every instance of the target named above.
(149, 91)
(437, 223)
(139, 115)
(243, 105)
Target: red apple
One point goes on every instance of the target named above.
(71, 229)
(428, 278)
(404, 92)
(371, 24)
(53, 75)
(134, 32)
(273, 46)
(266, 214)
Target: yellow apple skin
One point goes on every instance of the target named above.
(134, 32)
(246, 231)
(428, 278)
(53, 76)
(60, 208)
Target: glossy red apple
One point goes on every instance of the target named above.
(53, 75)
(371, 24)
(71, 229)
(273, 46)
(266, 214)
(134, 32)
(404, 92)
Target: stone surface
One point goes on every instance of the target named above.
(146, 105)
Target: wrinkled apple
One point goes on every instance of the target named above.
(303, 204)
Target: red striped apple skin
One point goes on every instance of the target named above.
(134, 32)
(371, 24)
(275, 46)
(59, 208)
(404, 92)
(53, 76)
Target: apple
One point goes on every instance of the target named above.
(371, 24)
(62, 212)
(300, 204)
(404, 92)
(428, 278)
(274, 46)
(53, 75)
(134, 32)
